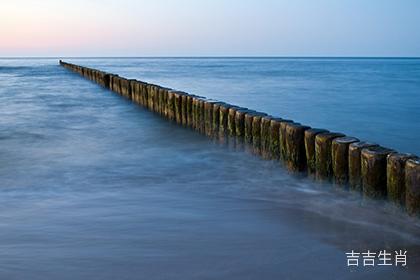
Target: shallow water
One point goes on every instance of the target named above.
(95, 187)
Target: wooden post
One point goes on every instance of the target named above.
(123, 87)
(395, 174)
(256, 132)
(194, 107)
(295, 146)
(355, 168)
(141, 97)
(275, 138)
(156, 98)
(134, 86)
(165, 109)
(412, 184)
(178, 104)
(106, 79)
(216, 118)
(223, 119)
(323, 157)
(282, 139)
(266, 137)
(189, 110)
(208, 117)
(171, 105)
(159, 100)
(310, 135)
(231, 120)
(114, 82)
(200, 115)
(150, 97)
(373, 162)
(249, 116)
(184, 116)
(340, 158)
(240, 123)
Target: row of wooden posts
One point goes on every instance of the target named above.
(375, 171)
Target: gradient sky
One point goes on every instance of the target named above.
(210, 28)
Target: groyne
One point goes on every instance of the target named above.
(367, 168)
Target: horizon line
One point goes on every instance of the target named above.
(209, 57)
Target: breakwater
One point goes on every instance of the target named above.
(367, 168)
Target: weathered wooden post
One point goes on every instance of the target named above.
(171, 105)
(395, 174)
(223, 120)
(100, 78)
(373, 163)
(256, 132)
(120, 87)
(275, 138)
(412, 185)
(295, 146)
(134, 86)
(160, 105)
(249, 116)
(144, 93)
(323, 157)
(125, 88)
(208, 117)
(194, 106)
(140, 93)
(240, 123)
(340, 158)
(189, 110)
(156, 107)
(178, 104)
(165, 110)
(156, 104)
(310, 135)
(231, 120)
(266, 137)
(128, 93)
(111, 82)
(355, 167)
(115, 83)
(150, 97)
(95, 76)
(184, 113)
(90, 74)
(200, 115)
(216, 118)
(197, 112)
(282, 139)
(106, 80)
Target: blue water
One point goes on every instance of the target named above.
(373, 99)
(94, 187)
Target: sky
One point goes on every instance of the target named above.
(209, 28)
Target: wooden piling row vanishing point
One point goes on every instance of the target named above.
(368, 168)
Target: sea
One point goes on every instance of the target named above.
(93, 186)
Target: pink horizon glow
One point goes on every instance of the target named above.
(209, 27)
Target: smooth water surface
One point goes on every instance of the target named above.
(94, 187)
(373, 99)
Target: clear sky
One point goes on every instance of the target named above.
(210, 28)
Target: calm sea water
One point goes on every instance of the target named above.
(373, 99)
(95, 187)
